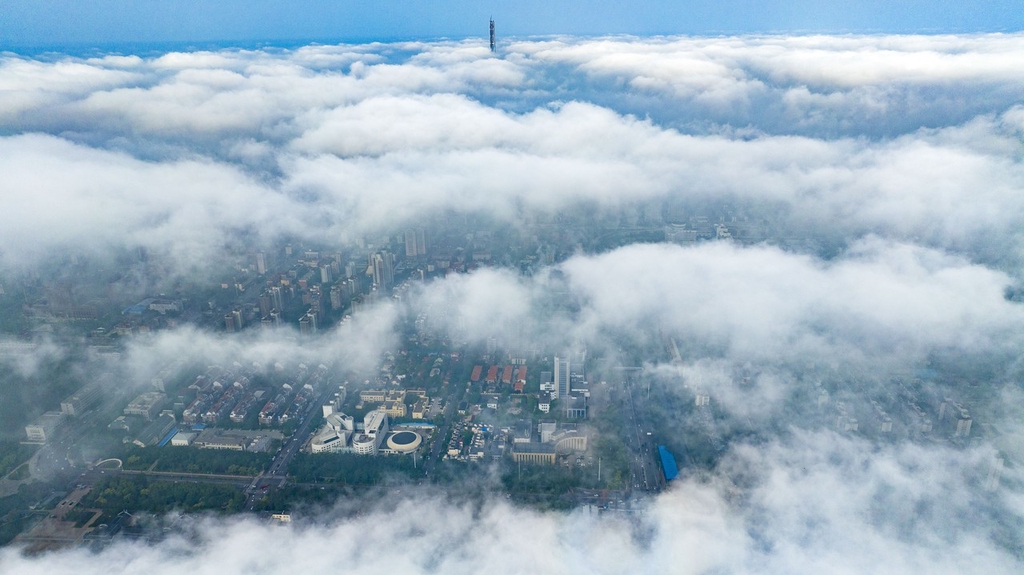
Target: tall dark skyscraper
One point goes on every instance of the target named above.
(492, 34)
(562, 387)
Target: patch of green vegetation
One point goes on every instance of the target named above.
(289, 498)
(349, 469)
(139, 494)
(614, 462)
(452, 472)
(80, 517)
(540, 479)
(20, 473)
(15, 510)
(193, 460)
(13, 454)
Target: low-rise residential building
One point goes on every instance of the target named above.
(420, 409)
(544, 402)
(372, 395)
(394, 408)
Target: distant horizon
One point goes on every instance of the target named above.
(29, 25)
(139, 48)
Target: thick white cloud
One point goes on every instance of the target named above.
(880, 303)
(862, 73)
(880, 300)
(25, 359)
(361, 139)
(74, 198)
(28, 85)
(353, 347)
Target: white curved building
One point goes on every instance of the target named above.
(339, 435)
(338, 421)
(569, 442)
(334, 436)
(404, 441)
(330, 441)
(363, 444)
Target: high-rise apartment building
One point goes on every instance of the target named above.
(415, 243)
(383, 269)
(308, 323)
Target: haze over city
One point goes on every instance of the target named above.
(366, 286)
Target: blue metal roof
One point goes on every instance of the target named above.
(668, 463)
(167, 437)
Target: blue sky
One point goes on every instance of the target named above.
(59, 22)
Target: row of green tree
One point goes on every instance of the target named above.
(539, 479)
(194, 460)
(114, 494)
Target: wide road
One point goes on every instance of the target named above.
(176, 476)
(645, 471)
(277, 472)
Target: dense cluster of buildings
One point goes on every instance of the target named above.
(341, 434)
(566, 386)
(471, 441)
(189, 413)
(393, 401)
(321, 284)
(902, 412)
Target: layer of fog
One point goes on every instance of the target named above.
(817, 502)
(802, 499)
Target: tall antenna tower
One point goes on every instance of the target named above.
(492, 34)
